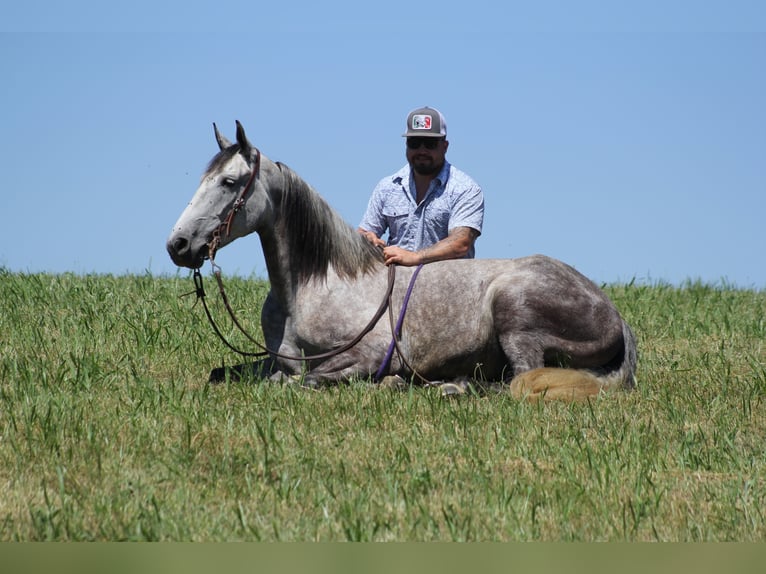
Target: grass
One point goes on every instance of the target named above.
(108, 431)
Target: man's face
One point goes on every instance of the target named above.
(426, 154)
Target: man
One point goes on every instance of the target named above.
(431, 210)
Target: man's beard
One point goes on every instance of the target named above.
(422, 168)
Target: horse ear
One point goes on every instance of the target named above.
(244, 145)
(223, 143)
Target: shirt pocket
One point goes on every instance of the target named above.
(395, 213)
(396, 218)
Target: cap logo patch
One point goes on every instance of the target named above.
(421, 122)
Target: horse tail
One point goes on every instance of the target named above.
(550, 383)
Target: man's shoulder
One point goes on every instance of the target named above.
(460, 179)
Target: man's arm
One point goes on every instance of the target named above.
(455, 246)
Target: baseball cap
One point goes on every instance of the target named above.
(426, 122)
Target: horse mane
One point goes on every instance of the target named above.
(317, 236)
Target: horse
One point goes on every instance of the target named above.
(533, 325)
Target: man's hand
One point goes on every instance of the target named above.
(454, 246)
(372, 238)
(396, 255)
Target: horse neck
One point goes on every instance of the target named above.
(276, 251)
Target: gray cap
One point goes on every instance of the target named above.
(426, 122)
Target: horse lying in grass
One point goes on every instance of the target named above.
(533, 323)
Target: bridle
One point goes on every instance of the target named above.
(224, 230)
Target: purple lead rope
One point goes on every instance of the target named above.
(397, 330)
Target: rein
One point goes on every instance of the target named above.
(396, 330)
(200, 292)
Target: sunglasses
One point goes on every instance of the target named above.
(430, 143)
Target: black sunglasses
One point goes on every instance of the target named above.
(430, 143)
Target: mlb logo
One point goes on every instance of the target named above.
(421, 122)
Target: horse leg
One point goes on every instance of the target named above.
(533, 381)
(523, 352)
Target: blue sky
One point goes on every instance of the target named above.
(625, 138)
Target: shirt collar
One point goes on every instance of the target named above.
(441, 177)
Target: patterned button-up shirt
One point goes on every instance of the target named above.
(453, 200)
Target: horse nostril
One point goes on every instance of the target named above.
(180, 245)
(177, 247)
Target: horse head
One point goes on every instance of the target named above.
(230, 202)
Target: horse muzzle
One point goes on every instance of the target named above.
(187, 251)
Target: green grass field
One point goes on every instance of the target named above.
(108, 431)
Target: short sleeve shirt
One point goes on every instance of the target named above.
(453, 200)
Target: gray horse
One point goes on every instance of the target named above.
(534, 322)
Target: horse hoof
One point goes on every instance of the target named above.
(394, 383)
(453, 389)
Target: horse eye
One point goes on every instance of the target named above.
(227, 182)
